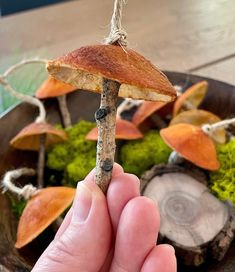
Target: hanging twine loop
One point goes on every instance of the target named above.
(27, 191)
(209, 129)
(117, 33)
(29, 99)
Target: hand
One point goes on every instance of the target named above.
(116, 233)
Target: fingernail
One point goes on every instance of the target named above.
(82, 203)
(169, 248)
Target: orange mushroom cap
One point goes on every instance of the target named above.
(139, 79)
(28, 138)
(52, 87)
(192, 144)
(41, 210)
(146, 109)
(125, 130)
(193, 96)
(200, 118)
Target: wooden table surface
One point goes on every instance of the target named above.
(177, 35)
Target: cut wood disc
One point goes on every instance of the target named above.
(187, 208)
(191, 217)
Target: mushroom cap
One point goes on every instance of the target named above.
(86, 67)
(192, 144)
(125, 130)
(41, 210)
(29, 137)
(146, 109)
(52, 87)
(200, 118)
(193, 96)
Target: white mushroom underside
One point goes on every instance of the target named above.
(93, 82)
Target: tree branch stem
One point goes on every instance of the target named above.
(106, 123)
(41, 161)
(64, 111)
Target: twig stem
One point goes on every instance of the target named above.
(106, 123)
(64, 111)
(41, 160)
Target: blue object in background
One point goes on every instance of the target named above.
(13, 6)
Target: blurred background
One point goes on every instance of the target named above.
(12, 6)
(176, 35)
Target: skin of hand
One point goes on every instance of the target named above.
(116, 233)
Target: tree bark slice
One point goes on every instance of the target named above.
(195, 222)
(41, 160)
(64, 111)
(106, 123)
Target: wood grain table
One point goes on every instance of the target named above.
(177, 35)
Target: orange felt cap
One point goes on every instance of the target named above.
(125, 130)
(41, 210)
(200, 118)
(52, 87)
(192, 97)
(145, 110)
(87, 66)
(192, 144)
(29, 137)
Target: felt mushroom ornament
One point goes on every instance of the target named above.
(152, 114)
(55, 88)
(199, 118)
(125, 130)
(195, 143)
(38, 135)
(111, 70)
(191, 143)
(191, 98)
(43, 205)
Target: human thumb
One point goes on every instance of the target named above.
(83, 240)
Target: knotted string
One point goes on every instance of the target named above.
(27, 191)
(117, 33)
(209, 129)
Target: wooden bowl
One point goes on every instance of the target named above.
(82, 105)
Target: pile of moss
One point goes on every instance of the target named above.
(75, 157)
(140, 155)
(222, 182)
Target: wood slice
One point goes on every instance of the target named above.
(195, 222)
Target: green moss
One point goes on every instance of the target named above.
(79, 167)
(140, 155)
(75, 157)
(58, 157)
(17, 205)
(222, 182)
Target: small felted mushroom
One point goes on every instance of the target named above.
(43, 205)
(41, 210)
(192, 144)
(125, 130)
(39, 134)
(191, 98)
(55, 88)
(199, 118)
(111, 71)
(145, 110)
